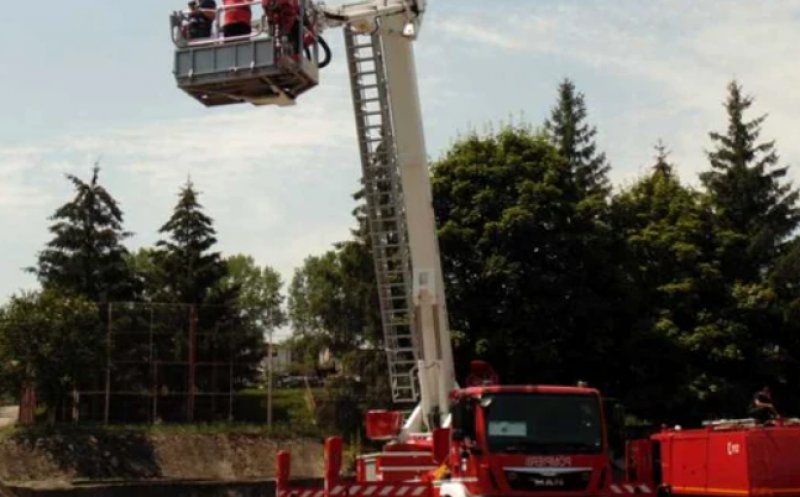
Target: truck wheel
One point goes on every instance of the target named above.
(664, 491)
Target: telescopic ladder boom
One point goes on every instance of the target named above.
(383, 191)
(378, 38)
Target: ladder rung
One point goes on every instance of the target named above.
(398, 351)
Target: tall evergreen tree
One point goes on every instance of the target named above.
(756, 208)
(575, 140)
(673, 295)
(86, 256)
(522, 260)
(189, 267)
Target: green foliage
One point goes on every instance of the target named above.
(148, 273)
(333, 298)
(51, 340)
(568, 131)
(86, 256)
(189, 267)
(258, 289)
(184, 269)
(673, 287)
(756, 209)
(712, 277)
(523, 259)
(343, 403)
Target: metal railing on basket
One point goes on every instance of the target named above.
(180, 19)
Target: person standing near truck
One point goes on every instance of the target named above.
(763, 408)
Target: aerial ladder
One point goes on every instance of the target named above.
(379, 36)
(484, 439)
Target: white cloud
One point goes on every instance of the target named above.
(276, 181)
(683, 51)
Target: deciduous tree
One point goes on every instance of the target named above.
(51, 340)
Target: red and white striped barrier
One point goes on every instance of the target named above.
(630, 489)
(363, 490)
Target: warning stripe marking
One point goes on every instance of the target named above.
(362, 490)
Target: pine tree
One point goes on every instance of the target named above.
(189, 268)
(756, 208)
(575, 140)
(673, 293)
(662, 166)
(86, 256)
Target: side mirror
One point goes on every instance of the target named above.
(441, 445)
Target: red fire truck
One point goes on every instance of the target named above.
(727, 458)
(485, 439)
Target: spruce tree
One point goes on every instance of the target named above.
(86, 256)
(575, 140)
(672, 294)
(756, 209)
(189, 268)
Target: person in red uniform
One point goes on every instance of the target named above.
(236, 21)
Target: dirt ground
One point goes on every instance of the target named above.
(60, 460)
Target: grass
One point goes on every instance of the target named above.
(292, 418)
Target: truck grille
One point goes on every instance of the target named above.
(548, 480)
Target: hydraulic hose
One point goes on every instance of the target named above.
(327, 49)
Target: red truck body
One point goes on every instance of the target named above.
(505, 441)
(730, 460)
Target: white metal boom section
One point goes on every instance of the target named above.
(378, 37)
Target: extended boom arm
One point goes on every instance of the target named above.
(392, 26)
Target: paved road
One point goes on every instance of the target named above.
(8, 416)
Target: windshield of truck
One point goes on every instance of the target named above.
(543, 423)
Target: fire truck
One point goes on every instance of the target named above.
(482, 439)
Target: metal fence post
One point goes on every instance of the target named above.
(192, 359)
(107, 407)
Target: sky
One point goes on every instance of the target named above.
(93, 83)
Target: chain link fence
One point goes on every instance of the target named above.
(174, 363)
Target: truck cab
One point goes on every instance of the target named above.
(527, 440)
